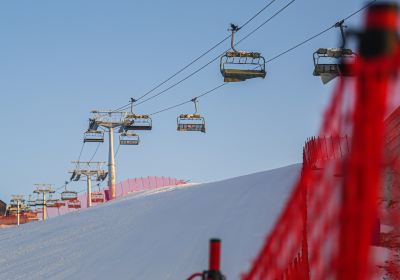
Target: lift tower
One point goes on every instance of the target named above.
(109, 120)
(17, 202)
(89, 169)
(43, 189)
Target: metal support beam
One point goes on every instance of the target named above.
(89, 191)
(18, 212)
(44, 207)
(111, 164)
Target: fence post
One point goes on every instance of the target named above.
(214, 266)
(214, 272)
(375, 68)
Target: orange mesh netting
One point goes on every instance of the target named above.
(348, 191)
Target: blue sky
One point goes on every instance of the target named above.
(61, 59)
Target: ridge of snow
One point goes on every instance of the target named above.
(158, 234)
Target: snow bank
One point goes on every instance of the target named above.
(152, 235)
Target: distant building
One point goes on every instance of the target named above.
(3, 207)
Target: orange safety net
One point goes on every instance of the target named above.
(349, 188)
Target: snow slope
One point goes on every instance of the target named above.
(152, 235)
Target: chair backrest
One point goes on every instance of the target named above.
(191, 127)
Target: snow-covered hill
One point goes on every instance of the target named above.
(152, 235)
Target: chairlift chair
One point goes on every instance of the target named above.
(135, 121)
(74, 203)
(31, 216)
(97, 197)
(93, 136)
(126, 138)
(51, 202)
(333, 60)
(238, 66)
(330, 70)
(68, 195)
(191, 122)
(57, 204)
(138, 122)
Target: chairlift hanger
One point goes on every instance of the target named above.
(330, 70)
(191, 122)
(238, 66)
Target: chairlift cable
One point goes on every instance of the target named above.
(80, 153)
(179, 82)
(301, 43)
(216, 58)
(79, 158)
(248, 21)
(116, 153)
(194, 61)
(188, 101)
(275, 57)
(211, 90)
(169, 108)
(63, 186)
(266, 21)
(221, 85)
(184, 68)
(361, 9)
(256, 15)
(95, 152)
(206, 52)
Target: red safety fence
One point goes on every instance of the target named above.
(12, 219)
(123, 188)
(318, 150)
(348, 183)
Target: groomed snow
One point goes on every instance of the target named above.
(152, 235)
